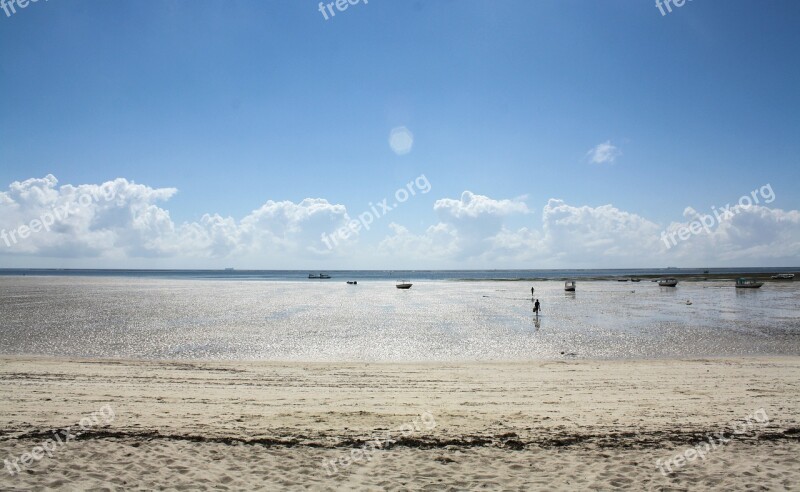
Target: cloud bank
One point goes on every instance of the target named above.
(121, 223)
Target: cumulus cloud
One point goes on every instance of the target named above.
(117, 217)
(472, 206)
(752, 234)
(603, 153)
(473, 229)
(466, 229)
(592, 237)
(119, 221)
(438, 245)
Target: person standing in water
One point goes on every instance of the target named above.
(536, 307)
(532, 289)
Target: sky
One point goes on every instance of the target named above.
(447, 134)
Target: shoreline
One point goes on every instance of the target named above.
(421, 275)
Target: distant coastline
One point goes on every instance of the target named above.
(536, 275)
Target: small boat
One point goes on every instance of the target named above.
(622, 280)
(569, 286)
(783, 276)
(667, 282)
(636, 280)
(352, 282)
(403, 284)
(321, 275)
(747, 283)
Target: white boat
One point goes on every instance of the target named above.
(403, 284)
(667, 282)
(321, 275)
(748, 283)
(569, 286)
(783, 276)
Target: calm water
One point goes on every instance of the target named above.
(139, 316)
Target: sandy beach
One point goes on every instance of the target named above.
(564, 424)
(399, 246)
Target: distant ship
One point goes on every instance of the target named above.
(321, 275)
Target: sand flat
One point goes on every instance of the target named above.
(498, 426)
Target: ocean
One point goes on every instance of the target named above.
(280, 316)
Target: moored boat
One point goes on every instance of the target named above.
(747, 283)
(667, 282)
(783, 276)
(403, 284)
(569, 286)
(320, 276)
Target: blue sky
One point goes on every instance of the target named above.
(238, 104)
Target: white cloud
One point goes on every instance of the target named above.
(403, 249)
(603, 153)
(120, 219)
(87, 220)
(473, 206)
(602, 235)
(120, 222)
(465, 231)
(589, 237)
(752, 235)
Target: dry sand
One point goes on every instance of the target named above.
(569, 425)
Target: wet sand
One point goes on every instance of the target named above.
(164, 319)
